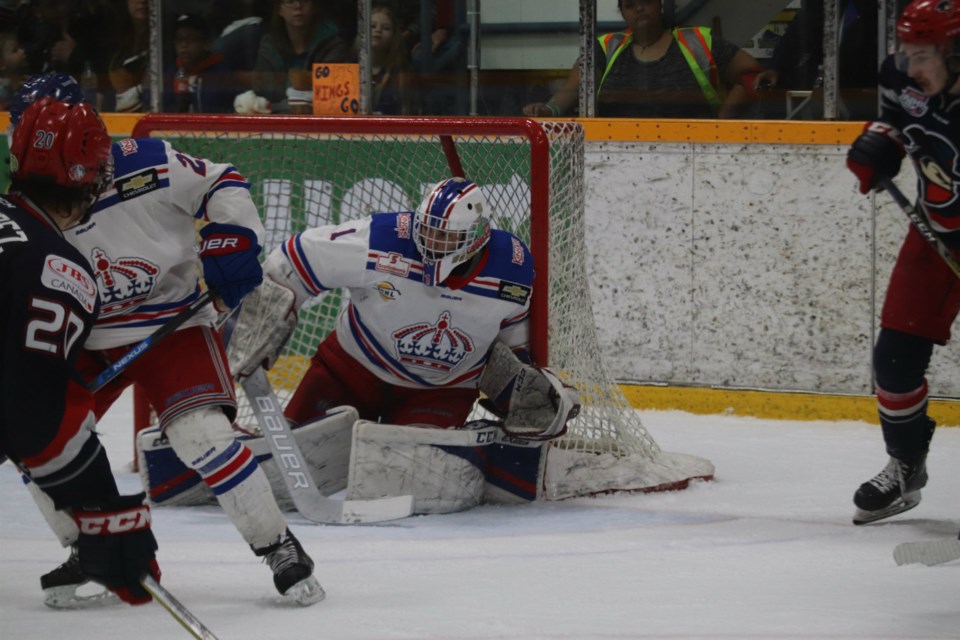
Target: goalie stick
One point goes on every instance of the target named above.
(179, 612)
(135, 352)
(306, 496)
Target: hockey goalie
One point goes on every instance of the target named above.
(437, 318)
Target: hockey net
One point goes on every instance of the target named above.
(311, 171)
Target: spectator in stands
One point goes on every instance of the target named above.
(58, 35)
(797, 62)
(244, 23)
(13, 66)
(439, 69)
(651, 71)
(300, 35)
(390, 69)
(203, 81)
(130, 55)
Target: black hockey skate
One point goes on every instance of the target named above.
(62, 587)
(292, 570)
(894, 490)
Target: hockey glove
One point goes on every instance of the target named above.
(116, 546)
(230, 266)
(875, 154)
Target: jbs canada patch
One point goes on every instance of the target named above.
(514, 292)
(139, 184)
(62, 274)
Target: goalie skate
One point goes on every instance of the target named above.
(894, 490)
(67, 588)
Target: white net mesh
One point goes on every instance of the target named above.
(305, 175)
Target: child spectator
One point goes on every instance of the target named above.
(130, 55)
(203, 82)
(389, 64)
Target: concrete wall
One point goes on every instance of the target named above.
(756, 266)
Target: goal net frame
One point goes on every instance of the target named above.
(607, 447)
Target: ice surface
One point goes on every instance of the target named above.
(765, 551)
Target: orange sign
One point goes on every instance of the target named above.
(336, 89)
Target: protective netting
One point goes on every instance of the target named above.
(303, 178)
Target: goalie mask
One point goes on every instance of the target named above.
(450, 227)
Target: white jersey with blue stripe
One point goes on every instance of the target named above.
(403, 331)
(141, 240)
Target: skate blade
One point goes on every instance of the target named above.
(905, 503)
(70, 597)
(306, 592)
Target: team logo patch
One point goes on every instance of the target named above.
(128, 146)
(517, 252)
(914, 102)
(124, 282)
(387, 291)
(393, 263)
(437, 346)
(138, 184)
(403, 226)
(514, 292)
(61, 274)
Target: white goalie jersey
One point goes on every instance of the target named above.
(141, 240)
(406, 333)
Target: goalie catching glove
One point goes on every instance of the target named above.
(230, 266)
(532, 402)
(116, 546)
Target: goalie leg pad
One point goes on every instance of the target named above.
(440, 468)
(324, 442)
(513, 473)
(204, 440)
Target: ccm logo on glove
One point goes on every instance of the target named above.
(107, 524)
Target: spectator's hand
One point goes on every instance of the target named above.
(62, 49)
(766, 79)
(875, 154)
(538, 110)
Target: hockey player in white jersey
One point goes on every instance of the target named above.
(141, 243)
(438, 310)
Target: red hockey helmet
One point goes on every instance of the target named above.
(66, 144)
(929, 22)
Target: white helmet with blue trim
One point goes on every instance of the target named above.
(450, 227)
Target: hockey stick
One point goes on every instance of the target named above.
(306, 496)
(166, 329)
(928, 552)
(179, 612)
(921, 224)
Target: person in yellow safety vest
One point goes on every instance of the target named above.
(650, 71)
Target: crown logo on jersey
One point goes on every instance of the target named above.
(124, 283)
(437, 347)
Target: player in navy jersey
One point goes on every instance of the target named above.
(433, 295)
(60, 164)
(141, 243)
(919, 117)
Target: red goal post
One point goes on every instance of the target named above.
(307, 170)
